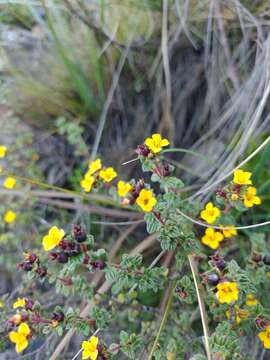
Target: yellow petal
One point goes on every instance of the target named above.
(24, 329)
(48, 243)
(20, 346)
(13, 336)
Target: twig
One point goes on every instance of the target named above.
(164, 318)
(194, 271)
(201, 223)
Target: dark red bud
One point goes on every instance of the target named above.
(26, 266)
(41, 271)
(62, 258)
(266, 259)
(143, 150)
(79, 233)
(218, 261)
(64, 244)
(86, 259)
(221, 193)
(29, 304)
(256, 257)
(212, 278)
(58, 316)
(98, 264)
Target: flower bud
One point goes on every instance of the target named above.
(79, 233)
(234, 197)
(58, 316)
(98, 264)
(15, 319)
(26, 266)
(266, 259)
(62, 258)
(30, 257)
(64, 244)
(218, 262)
(86, 259)
(29, 304)
(256, 257)
(211, 278)
(221, 193)
(41, 271)
(143, 150)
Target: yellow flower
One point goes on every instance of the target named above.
(265, 337)
(250, 197)
(53, 238)
(9, 183)
(123, 188)
(239, 314)
(250, 300)
(212, 238)
(146, 200)
(9, 216)
(1, 304)
(108, 174)
(20, 337)
(227, 292)
(210, 213)
(89, 348)
(94, 166)
(229, 232)
(87, 182)
(20, 302)
(156, 143)
(241, 177)
(3, 151)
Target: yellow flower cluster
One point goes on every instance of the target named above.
(96, 171)
(53, 238)
(250, 197)
(9, 183)
(89, 348)
(156, 143)
(227, 292)
(20, 337)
